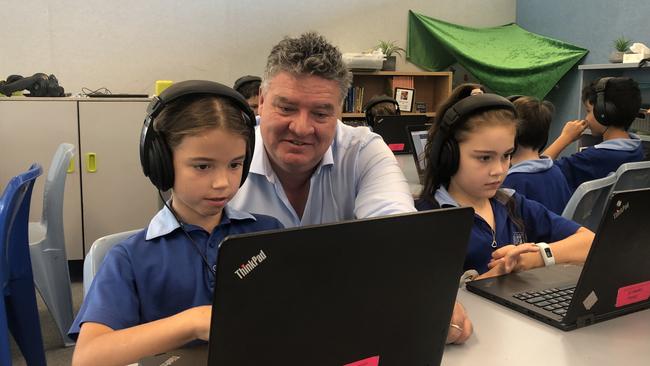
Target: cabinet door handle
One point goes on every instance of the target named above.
(91, 162)
(71, 166)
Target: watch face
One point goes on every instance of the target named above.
(548, 253)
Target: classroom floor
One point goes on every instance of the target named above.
(55, 353)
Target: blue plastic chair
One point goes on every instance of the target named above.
(19, 312)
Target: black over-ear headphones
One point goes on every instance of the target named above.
(370, 118)
(156, 155)
(245, 80)
(445, 154)
(39, 85)
(514, 97)
(605, 112)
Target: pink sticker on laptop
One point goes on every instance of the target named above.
(370, 361)
(394, 147)
(633, 293)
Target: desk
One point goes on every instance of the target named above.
(506, 337)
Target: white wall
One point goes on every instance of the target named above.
(127, 45)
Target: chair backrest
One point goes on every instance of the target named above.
(588, 202)
(55, 187)
(632, 176)
(96, 254)
(14, 221)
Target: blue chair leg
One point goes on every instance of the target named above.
(24, 322)
(5, 353)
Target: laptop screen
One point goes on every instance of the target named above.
(418, 140)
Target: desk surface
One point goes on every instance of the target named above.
(505, 337)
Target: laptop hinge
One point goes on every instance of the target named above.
(585, 320)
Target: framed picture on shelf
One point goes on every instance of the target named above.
(404, 98)
(421, 107)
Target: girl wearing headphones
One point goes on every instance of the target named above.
(467, 157)
(153, 291)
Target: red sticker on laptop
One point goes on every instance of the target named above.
(633, 293)
(370, 361)
(393, 147)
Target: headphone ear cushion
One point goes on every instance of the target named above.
(448, 159)
(161, 165)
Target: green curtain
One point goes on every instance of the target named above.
(507, 59)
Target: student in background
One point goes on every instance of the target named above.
(467, 157)
(532, 174)
(612, 104)
(380, 105)
(153, 292)
(249, 87)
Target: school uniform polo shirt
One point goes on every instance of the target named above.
(540, 225)
(599, 160)
(158, 272)
(540, 180)
(358, 177)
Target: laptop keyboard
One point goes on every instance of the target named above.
(556, 300)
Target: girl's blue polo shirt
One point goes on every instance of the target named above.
(599, 160)
(540, 225)
(158, 272)
(540, 180)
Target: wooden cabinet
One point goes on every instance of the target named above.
(110, 196)
(431, 88)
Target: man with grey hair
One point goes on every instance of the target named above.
(310, 168)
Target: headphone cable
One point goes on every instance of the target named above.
(196, 246)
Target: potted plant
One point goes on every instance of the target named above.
(390, 50)
(621, 45)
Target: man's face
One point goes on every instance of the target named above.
(298, 117)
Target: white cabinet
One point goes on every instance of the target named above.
(116, 197)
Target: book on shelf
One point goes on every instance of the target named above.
(354, 100)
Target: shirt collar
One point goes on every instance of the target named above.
(445, 200)
(261, 165)
(532, 166)
(621, 144)
(164, 222)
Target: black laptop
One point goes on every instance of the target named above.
(393, 130)
(366, 292)
(615, 278)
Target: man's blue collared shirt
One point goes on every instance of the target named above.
(158, 272)
(357, 178)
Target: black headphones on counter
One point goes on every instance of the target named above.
(38, 85)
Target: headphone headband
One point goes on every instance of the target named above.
(245, 80)
(373, 102)
(445, 155)
(156, 156)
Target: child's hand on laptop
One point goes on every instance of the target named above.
(511, 258)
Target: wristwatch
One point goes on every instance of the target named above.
(546, 253)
